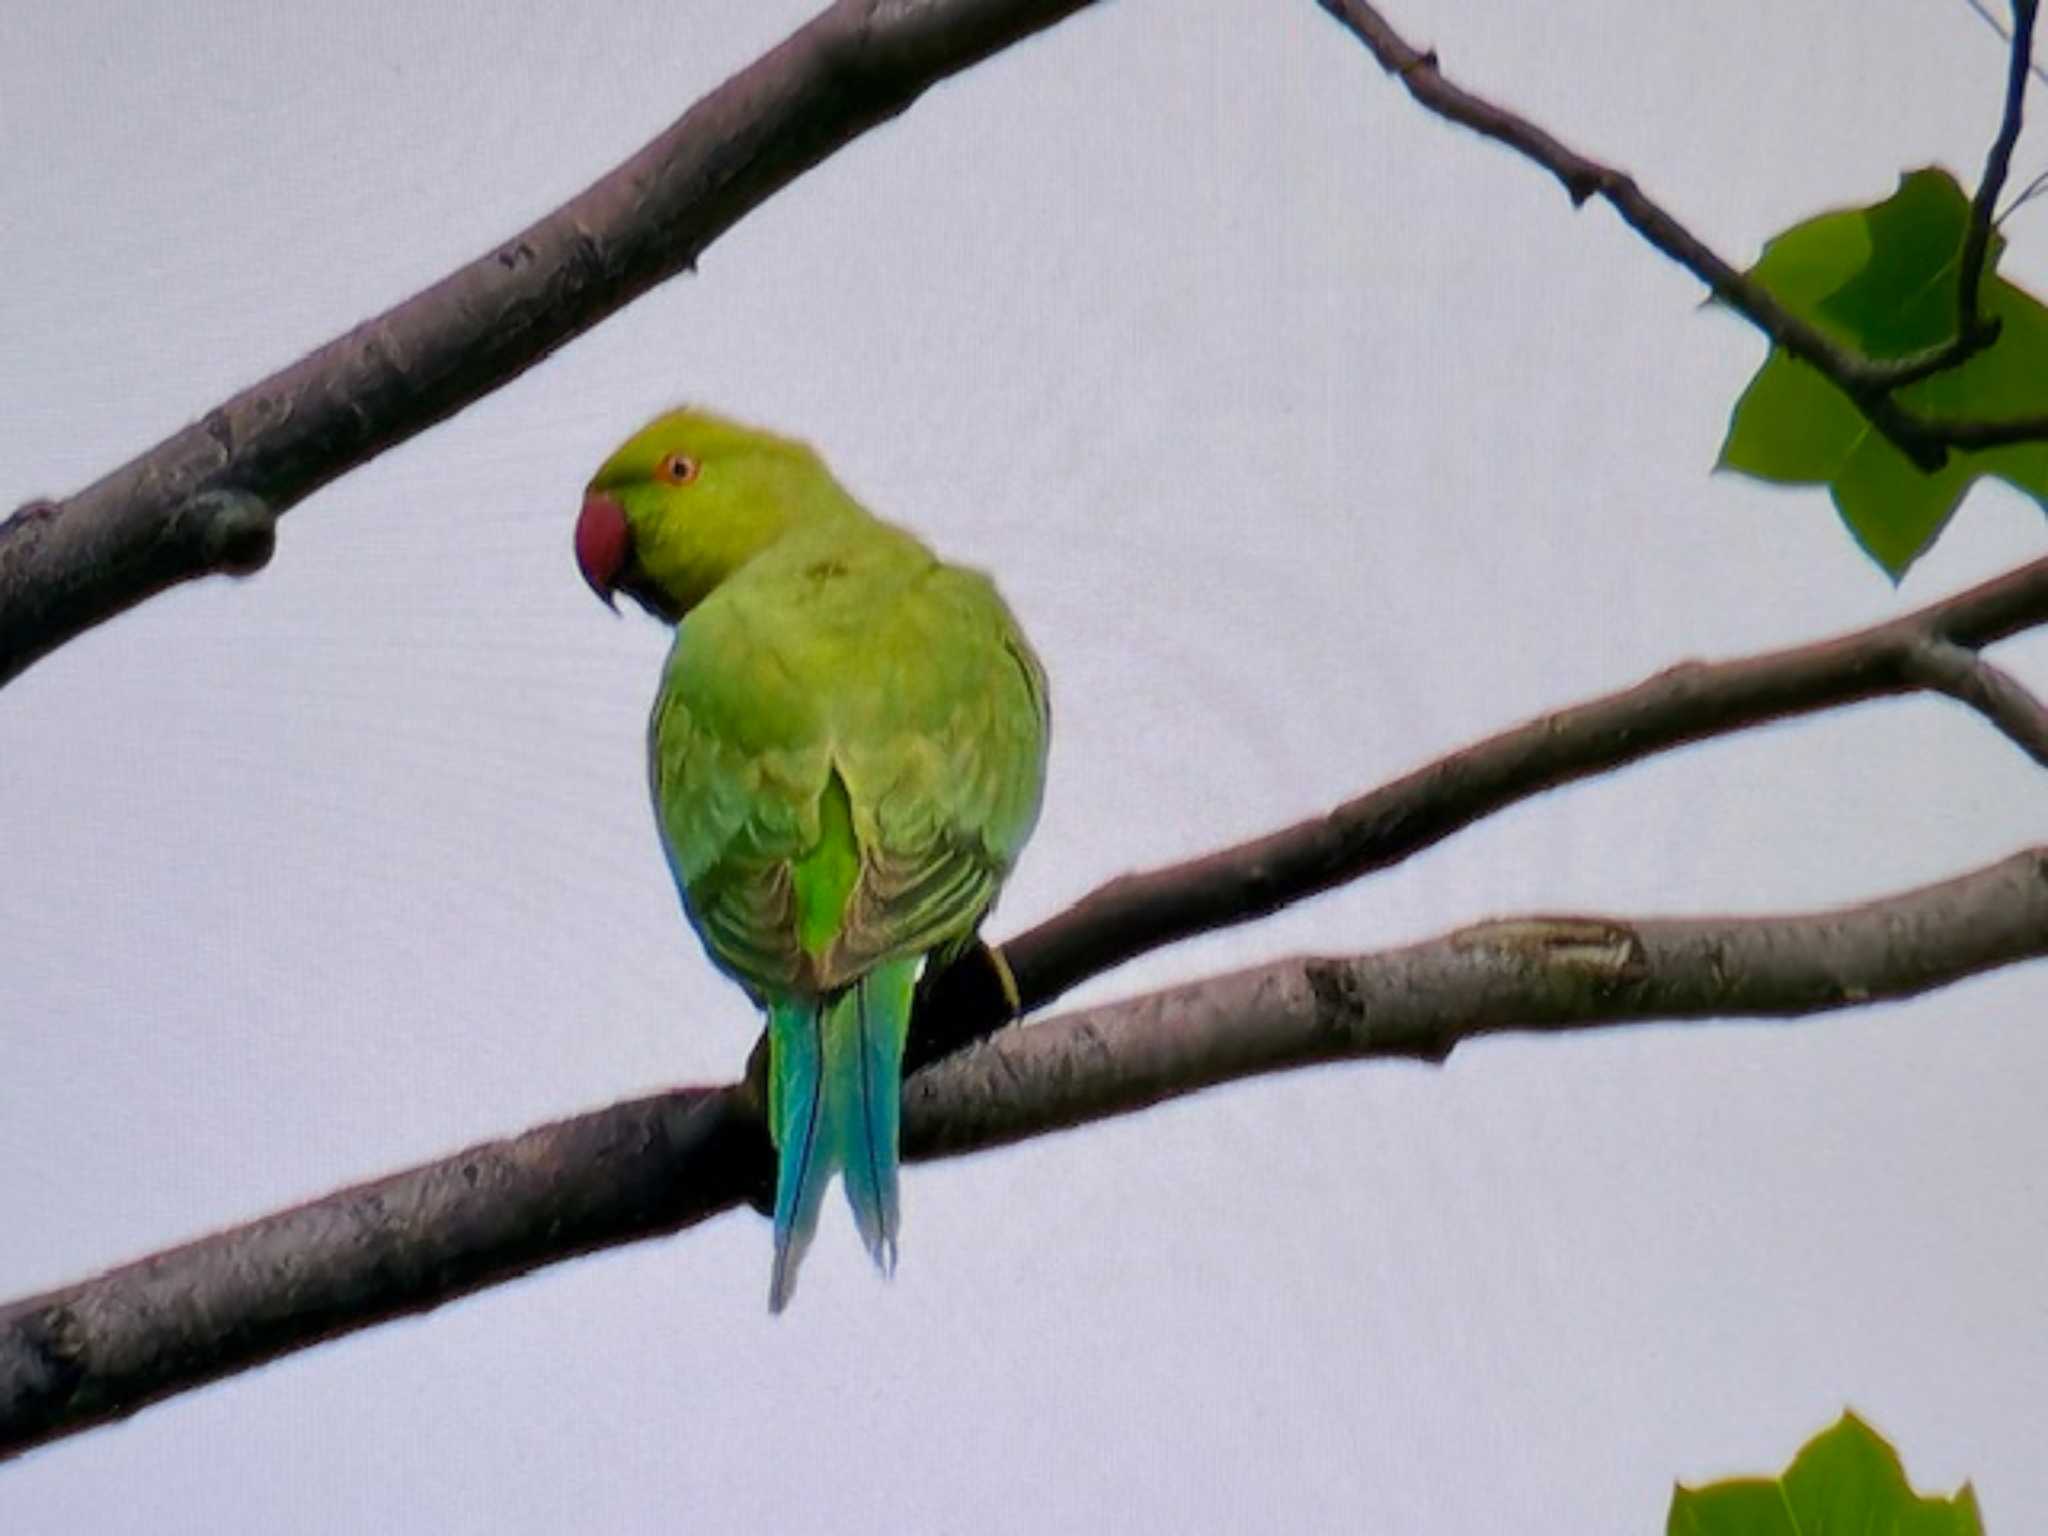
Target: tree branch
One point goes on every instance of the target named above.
(1869, 383)
(94, 1352)
(98, 1351)
(206, 499)
(1541, 974)
(1992, 691)
(1984, 207)
(1931, 649)
(2004, 35)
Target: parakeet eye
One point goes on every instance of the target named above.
(676, 469)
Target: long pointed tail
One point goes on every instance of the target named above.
(873, 1059)
(796, 1113)
(835, 1096)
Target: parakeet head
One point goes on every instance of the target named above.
(689, 499)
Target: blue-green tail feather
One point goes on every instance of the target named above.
(796, 1112)
(835, 1095)
(868, 1138)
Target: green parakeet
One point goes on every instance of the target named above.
(846, 753)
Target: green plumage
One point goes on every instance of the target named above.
(846, 756)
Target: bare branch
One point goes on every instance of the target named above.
(1869, 383)
(205, 500)
(2003, 33)
(1137, 913)
(1984, 207)
(1992, 691)
(404, 1244)
(94, 1352)
(1528, 974)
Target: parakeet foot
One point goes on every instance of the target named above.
(1013, 1000)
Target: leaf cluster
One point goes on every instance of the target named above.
(1884, 281)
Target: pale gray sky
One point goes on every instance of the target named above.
(1310, 438)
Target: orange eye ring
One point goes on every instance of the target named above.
(676, 469)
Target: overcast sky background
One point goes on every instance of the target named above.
(1310, 438)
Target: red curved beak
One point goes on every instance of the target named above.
(602, 543)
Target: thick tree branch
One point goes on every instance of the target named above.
(206, 500)
(1527, 974)
(1870, 383)
(100, 1350)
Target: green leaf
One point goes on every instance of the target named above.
(1884, 280)
(1846, 1481)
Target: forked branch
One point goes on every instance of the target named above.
(1870, 383)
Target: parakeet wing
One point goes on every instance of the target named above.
(906, 680)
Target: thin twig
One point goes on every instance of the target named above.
(2003, 33)
(1984, 207)
(2027, 194)
(1870, 383)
